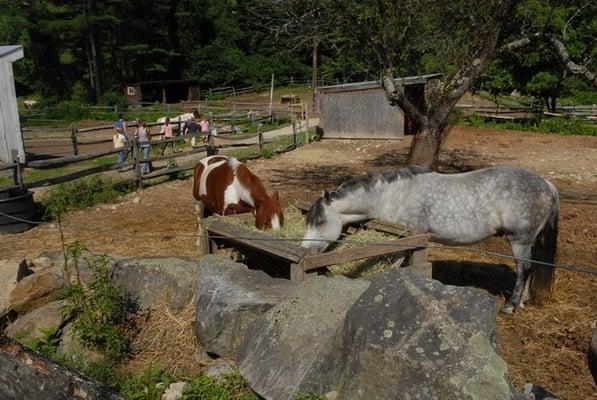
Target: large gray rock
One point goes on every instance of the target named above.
(53, 261)
(11, 272)
(296, 346)
(71, 348)
(229, 297)
(146, 279)
(35, 324)
(415, 338)
(37, 289)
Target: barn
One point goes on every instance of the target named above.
(361, 110)
(165, 91)
(11, 140)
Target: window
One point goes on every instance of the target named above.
(130, 90)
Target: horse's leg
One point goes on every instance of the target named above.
(523, 268)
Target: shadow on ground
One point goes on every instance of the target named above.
(497, 279)
(318, 178)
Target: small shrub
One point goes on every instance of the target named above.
(231, 387)
(149, 385)
(47, 344)
(267, 153)
(78, 194)
(98, 309)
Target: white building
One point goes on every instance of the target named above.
(10, 127)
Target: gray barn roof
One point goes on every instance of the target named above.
(408, 80)
(13, 53)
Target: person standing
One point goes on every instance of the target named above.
(204, 125)
(143, 137)
(191, 129)
(119, 141)
(168, 135)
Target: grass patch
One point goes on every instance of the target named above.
(562, 126)
(46, 344)
(80, 193)
(230, 387)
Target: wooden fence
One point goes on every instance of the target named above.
(229, 139)
(585, 112)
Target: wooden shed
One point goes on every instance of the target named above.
(361, 110)
(10, 127)
(167, 91)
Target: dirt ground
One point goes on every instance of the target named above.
(544, 344)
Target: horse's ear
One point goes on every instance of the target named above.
(327, 197)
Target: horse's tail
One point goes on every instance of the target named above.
(544, 249)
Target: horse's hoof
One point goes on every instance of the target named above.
(508, 309)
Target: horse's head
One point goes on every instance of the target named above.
(324, 224)
(269, 214)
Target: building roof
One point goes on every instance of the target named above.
(12, 53)
(407, 80)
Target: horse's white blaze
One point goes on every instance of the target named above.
(207, 168)
(235, 192)
(275, 222)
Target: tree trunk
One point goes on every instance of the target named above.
(425, 146)
(95, 66)
(314, 71)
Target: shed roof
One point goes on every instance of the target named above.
(407, 80)
(12, 53)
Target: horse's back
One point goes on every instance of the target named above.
(470, 206)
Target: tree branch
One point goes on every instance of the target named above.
(397, 96)
(571, 65)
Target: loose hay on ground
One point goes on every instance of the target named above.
(294, 230)
(165, 340)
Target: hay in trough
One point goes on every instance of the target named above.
(294, 229)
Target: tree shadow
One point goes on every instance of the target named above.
(497, 279)
(314, 178)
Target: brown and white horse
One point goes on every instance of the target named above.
(223, 185)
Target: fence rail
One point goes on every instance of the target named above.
(229, 138)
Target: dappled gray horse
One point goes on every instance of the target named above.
(455, 209)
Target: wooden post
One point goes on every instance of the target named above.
(306, 125)
(179, 128)
(297, 272)
(136, 165)
(294, 133)
(271, 101)
(260, 137)
(232, 120)
(18, 169)
(211, 148)
(202, 234)
(73, 138)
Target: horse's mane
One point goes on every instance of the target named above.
(316, 216)
(369, 181)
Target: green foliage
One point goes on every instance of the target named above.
(98, 309)
(78, 194)
(562, 126)
(311, 396)
(148, 385)
(231, 387)
(46, 344)
(267, 153)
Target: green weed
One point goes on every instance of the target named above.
(148, 385)
(231, 387)
(47, 344)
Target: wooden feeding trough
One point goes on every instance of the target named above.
(296, 261)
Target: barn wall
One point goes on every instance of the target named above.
(10, 127)
(359, 114)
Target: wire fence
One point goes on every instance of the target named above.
(567, 267)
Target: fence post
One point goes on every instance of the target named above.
(260, 133)
(18, 170)
(73, 137)
(232, 120)
(306, 125)
(136, 165)
(294, 133)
